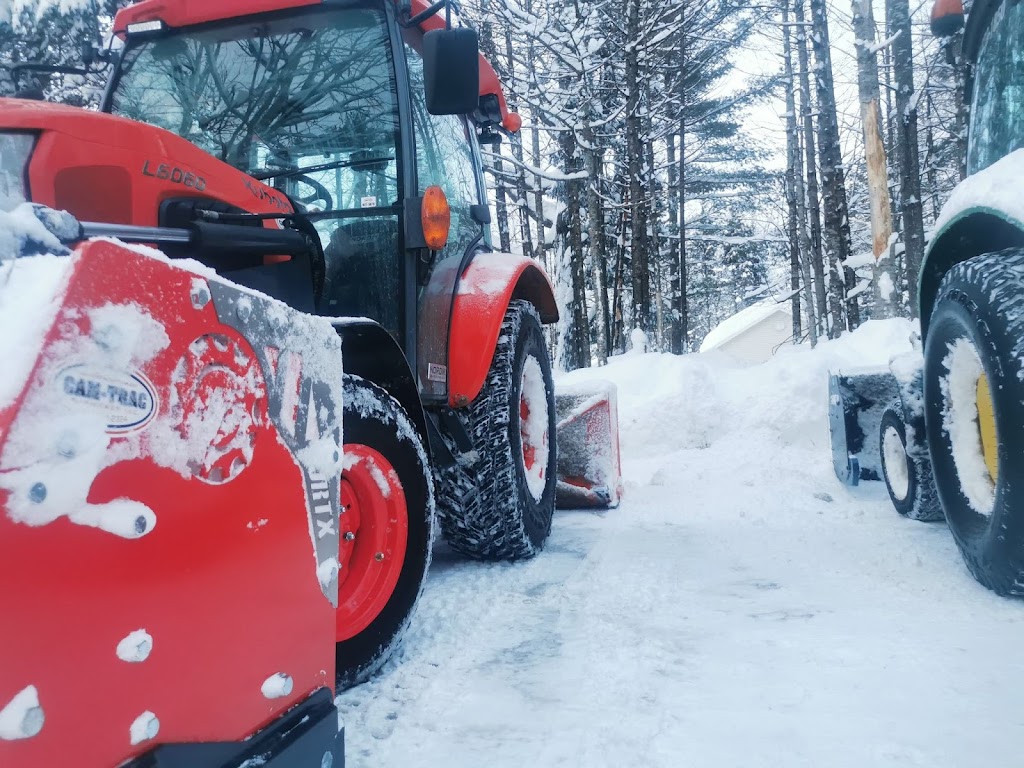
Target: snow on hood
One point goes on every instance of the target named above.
(997, 188)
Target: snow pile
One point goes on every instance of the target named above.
(668, 403)
(22, 717)
(145, 727)
(277, 686)
(136, 647)
(30, 294)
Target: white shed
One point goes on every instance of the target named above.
(753, 334)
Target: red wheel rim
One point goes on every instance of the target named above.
(533, 433)
(374, 535)
(529, 449)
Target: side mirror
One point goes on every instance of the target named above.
(451, 71)
(947, 17)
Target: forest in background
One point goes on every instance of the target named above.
(678, 161)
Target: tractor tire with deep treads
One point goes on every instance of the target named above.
(975, 342)
(906, 469)
(387, 495)
(497, 503)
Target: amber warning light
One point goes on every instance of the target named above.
(436, 218)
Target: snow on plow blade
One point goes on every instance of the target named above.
(855, 406)
(168, 516)
(589, 467)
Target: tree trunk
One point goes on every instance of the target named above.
(813, 196)
(874, 153)
(836, 220)
(907, 144)
(639, 261)
(799, 242)
(526, 233)
(595, 238)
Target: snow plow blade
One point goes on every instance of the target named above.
(589, 465)
(168, 518)
(856, 403)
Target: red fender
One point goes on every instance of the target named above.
(489, 283)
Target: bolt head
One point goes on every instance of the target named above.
(379, 557)
(37, 493)
(349, 536)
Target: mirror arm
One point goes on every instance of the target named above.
(419, 18)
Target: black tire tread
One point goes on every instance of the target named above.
(999, 278)
(924, 498)
(477, 505)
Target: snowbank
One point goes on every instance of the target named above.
(669, 402)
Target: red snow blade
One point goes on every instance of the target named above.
(165, 569)
(589, 466)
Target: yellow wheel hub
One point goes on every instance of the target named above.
(987, 426)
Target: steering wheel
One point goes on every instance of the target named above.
(320, 192)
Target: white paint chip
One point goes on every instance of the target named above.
(23, 717)
(136, 647)
(145, 727)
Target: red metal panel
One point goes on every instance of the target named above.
(225, 582)
(490, 281)
(157, 164)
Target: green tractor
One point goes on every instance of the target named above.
(947, 436)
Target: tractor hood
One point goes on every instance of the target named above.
(115, 170)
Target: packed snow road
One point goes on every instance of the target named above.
(741, 608)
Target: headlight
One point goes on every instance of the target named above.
(15, 149)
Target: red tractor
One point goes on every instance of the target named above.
(208, 523)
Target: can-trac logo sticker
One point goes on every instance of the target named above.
(128, 400)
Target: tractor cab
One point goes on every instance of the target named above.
(328, 103)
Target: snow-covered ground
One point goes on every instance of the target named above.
(741, 608)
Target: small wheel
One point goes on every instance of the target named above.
(974, 406)
(387, 526)
(906, 469)
(500, 506)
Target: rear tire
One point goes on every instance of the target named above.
(907, 470)
(976, 329)
(499, 503)
(380, 435)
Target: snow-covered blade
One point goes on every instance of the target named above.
(589, 467)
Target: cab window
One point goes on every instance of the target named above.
(997, 114)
